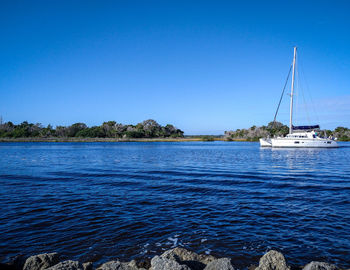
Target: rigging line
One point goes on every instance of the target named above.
(315, 114)
(279, 103)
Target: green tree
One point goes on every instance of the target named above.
(75, 128)
(151, 128)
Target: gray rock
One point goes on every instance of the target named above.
(88, 266)
(220, 264)
(133, 263)
(193, 260)
(136, 265)
(161, 263)
(41, 261)
(117, 265)
(67, 265)
(141, 264)
(273, 260)
(320, 266)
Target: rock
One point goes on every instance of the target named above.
(161, 263)
(320, 266)
(189, 258)
(133, 263)
(137, 265)
(143, 263)
(252, 267)
(220, 264)
(117, 265)
(67, 265)
(110, 265)
(273, 260)
(41, 261)
(87, 266)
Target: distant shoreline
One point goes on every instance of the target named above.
(73, 139)
(146, 131)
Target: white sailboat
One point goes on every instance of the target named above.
(299, 136)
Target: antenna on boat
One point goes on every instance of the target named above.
(291, 93)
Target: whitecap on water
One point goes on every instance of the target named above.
(208, 251)
(174, 240)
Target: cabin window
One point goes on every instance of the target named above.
(329, 142)
(296, 142)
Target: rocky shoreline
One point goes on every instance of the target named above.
(174, 259)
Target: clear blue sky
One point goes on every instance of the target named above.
(204, 66)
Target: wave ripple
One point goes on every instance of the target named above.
(101, 201)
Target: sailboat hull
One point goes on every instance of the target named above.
(303, 143)
(265, 142)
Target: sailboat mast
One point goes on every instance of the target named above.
(292, 93)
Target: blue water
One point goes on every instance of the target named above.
(102, 201)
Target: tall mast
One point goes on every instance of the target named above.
(292, 93)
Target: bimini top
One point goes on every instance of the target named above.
(305, 127)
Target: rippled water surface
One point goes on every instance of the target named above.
(101, 201)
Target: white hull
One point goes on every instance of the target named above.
(265, 142)
(304, 143)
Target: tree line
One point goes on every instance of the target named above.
(111, 129)
(278, 129)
